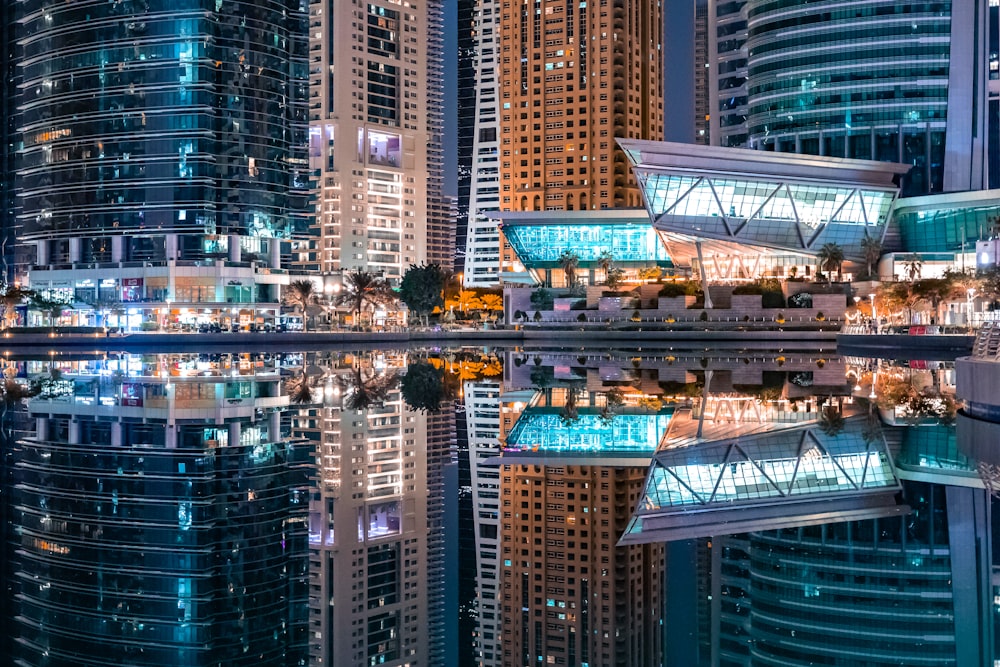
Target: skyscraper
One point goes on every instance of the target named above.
(375, 134)
(903, 82)
(162, 151)
(558, 85)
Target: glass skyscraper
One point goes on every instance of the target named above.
(161, 137)
(896, 82)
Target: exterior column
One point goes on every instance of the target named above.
(170, 247)
(42, 428)
(704, 275)
(234, 434)
(75, 250)
(274, 426)
(235, 251)
(117, 248)
(274, 254)
(42, 253)
(74, 432)
(116, 434)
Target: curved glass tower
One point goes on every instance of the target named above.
(161, 131)
(161, 516)
(871, 80)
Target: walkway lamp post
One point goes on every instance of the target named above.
(970, 294)
(874, 315)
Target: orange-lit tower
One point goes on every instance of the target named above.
(574, 76)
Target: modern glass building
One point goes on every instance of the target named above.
(161, 511)
(903, 82)
(163, 155)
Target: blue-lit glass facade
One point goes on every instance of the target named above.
(630, 244)
(544, 430)
(142, 118)
(944, 227)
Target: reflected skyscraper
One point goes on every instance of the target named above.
(369, 518)
(161, 510)
(164, 153)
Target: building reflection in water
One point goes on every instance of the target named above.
(160, 510)
(210, 509)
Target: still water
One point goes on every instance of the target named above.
(492, 507)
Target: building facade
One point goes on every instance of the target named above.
(162, 154)
(161, 509)
(375, 135)
(898, 83)
(557, 86)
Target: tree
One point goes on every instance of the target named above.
(468, 300)
(650, 273)
(492, 302)
(614, 278)
(606, 262)
(422, 289)
(363, 288)
(423, 386)
(871, 248)
(302, 294)
(912, 265)
(569, 262)
(934, 290)
(365, 389)
(11, 297)
(52, 308)
(831, 256)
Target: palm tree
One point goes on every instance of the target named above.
(871, 247)
(492, 302)
(365, 388)
(363, 288)
(831, 256)
(300, 295)
(569, 262)
(605, 261)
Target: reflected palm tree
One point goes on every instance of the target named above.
(364, 389)
(569, 412)
(299, 388)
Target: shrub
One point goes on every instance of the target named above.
(582, 317)
(537, 317)
(772, 300)
(636, 316)
(579, 304)
(746, 318)
(800, 300)
(780, 319)
(670, 319)
(685, 288)
(820, 316)
(749, 288)
(703, 317)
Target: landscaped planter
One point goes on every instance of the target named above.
(674, 304)
(746, 302)
(614, 303)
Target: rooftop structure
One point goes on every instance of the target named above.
(778, 204)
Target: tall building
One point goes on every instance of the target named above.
(558, 85)
(468, 44)
(570, 595)
(369, 517)
(8, 133)
(482, 410)
(482, 248)
(162, 156)
(158, 523)
(375, 134)
(899, 83)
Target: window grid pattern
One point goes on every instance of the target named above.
(795, 215)
(539, 246)
(538, 429)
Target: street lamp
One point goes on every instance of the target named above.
(874, 315)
